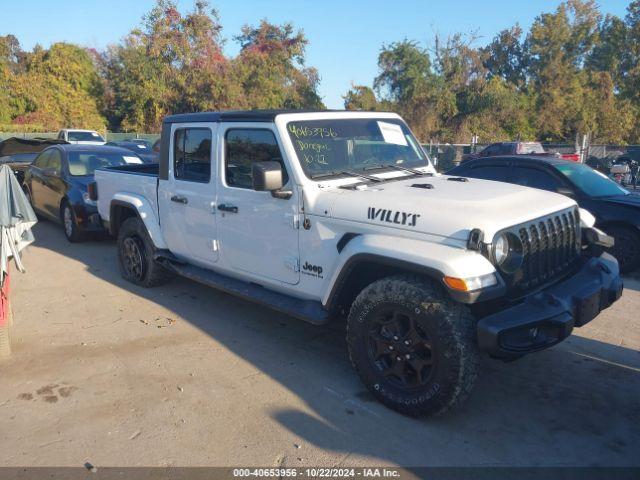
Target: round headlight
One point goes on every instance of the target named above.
(501, 249)
(507, 252)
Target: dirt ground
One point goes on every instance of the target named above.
(181, 375)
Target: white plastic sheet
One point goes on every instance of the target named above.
(16, 220)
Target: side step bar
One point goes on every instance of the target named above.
(307, 310)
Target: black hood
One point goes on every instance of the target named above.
(631, 200)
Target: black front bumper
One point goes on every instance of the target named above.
(548, 317)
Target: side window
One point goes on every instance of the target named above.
(245, 146)
(534, 178)
(505, 149)
(192, 154)
(491, 149)
(55, 161)
(497, 173)
(42, 159)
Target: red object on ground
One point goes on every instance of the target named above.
(4, 302)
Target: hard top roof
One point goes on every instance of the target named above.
(236, 115)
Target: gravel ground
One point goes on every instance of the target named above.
(181, 375)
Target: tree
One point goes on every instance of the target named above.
(557, 47)
(172, 63)
(504, 56)
(59, 88)
(360, 97)
(613, 117)
(407, 83)
(11, 56)
(270, 68)
(630, 83)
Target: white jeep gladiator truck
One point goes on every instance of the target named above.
(325, 215)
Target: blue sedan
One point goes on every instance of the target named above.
(56, 184)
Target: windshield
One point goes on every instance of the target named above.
(332, 147)
(590, 181)
(529, 148)
(85, 163)
(141, 144)
(85, 137)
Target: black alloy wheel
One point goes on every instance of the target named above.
(400, 349)
(133, 258)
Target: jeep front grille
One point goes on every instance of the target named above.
(550, 247)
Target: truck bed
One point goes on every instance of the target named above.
(140, 168)
(138, 180)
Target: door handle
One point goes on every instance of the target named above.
(228, 208)
(179, 199)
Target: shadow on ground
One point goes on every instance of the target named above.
(576, 404)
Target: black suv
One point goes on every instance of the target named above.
(617, 210)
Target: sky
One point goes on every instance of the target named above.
(345, 37)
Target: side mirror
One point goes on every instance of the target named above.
(51, 172)
(267, 176)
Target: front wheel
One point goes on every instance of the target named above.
(412, 346)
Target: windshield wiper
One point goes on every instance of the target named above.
(399, 168)
(361, 175)
(346, 172)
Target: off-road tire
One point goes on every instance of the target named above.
(71, 230)
(133, 240)
(626, 248)
(450, 328)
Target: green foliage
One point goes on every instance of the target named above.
(270, 68)
(9, 54)
(360, 97)
(172, 63)
(572, 72)
(59, 88)
(52, 88)
(175, 63)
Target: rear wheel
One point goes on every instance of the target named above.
(626, 248)
(412, 346)
(135, 255)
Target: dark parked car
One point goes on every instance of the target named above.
(18, 153)
(517, 148)
(142, 148)
(56, 184)
(617, 211)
